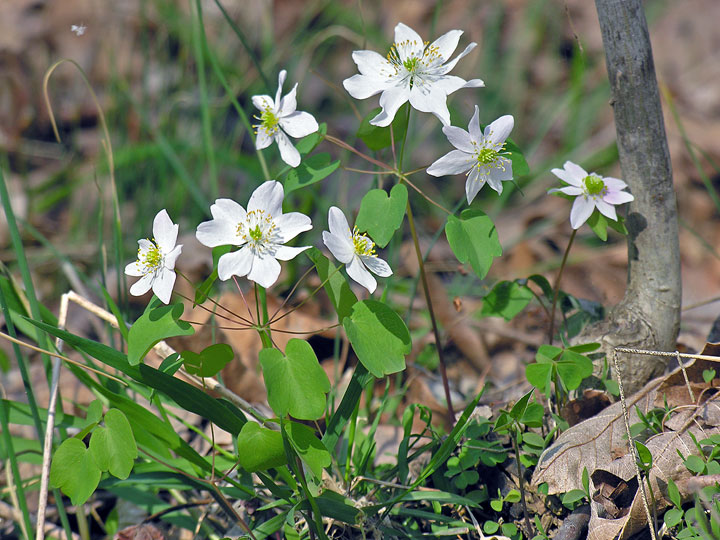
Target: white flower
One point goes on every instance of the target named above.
(413, 70)
(260, 232)
(278, 117)
(156, 260)
(78, 29)
(478, 154)
(591, 191)
(355, 250)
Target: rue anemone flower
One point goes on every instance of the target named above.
(156, 260)
(355, 250)
(414, 70)
(480, 155)
(591, 191)
(279, 118)
(260, 232)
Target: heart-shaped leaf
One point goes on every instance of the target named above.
(209, 362)
(473, 238)
(313, 169)
(507, 299)
(74, 471)
(296, 384)
(378, 336)
(260, 448)
(309, 447)
(380, 216)
(157, 323)
(113, 446)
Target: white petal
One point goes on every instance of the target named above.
(265, 271)
(229, 210)
(371, 63)
(164, 231)
(339, 224)
(364, 86)
(288, 104)
(390, 101)
(144, 245)
(264, 139)
(618, 197)
(474, 126)
(288, 152)
(495, 178)
(163, 285)
(404, 33)
(568, 178)
(448, 67)
(142, 285)
(432, 101)
(377, 266)
(285, 253)
(474, 83)
(269, 197)
(581, 210)
(575, 170)
(459, 138)
(614, 184)
(447, 43)
(218, 232)
(134, 269)
(473, 185)
(237, 263)
(445, 83)
(607, 210)
(281, 81)
(292, 224)
(356, 270)
(299, 124)
(341, 249)
(171, 257)
(454, 162)
(498, 131)
(568, 190)
(263, 102)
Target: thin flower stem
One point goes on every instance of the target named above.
(403, 177)
(363, 171)
(265, 334)
(212, 301)
(521, 480)
(405, 136)
(292, 291)
(346, 146)
(351, 442)
(556, 289)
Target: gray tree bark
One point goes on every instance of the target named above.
(649, 314)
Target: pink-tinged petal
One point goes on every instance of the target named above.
(268, 197)
(340, 246)
(264, 139)
(299, 124)
(473, 185)
(218, 232)
(474, 126)
(364, 86)
(450, 65)
(568, 178)
(447, 43)
(372, 64)
(459, 138)
(581, 210)
(576, 171)
(291, 224)
(607, 210)
(415, 43)
(390, 101)
(614, 184)
(281, 81)
(135, 269)
(238, 263)
(339, 224)
(567, 190)
(618, 197)
(285, 253)
(163, 285)
(454, 162)
(357, 271)
(263, 102)
(498, 131)
(265, 271)
(142, 285)
(171, 257)
(288, 104)
(432, 101)
(164, 231)
(377, 266)
(288, 152)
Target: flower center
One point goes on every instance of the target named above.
(258, 230)
(593, 184)
(487, 155)
(362, 244)
(151, 258)
(411, 64)
(413, 69)
(269, 121)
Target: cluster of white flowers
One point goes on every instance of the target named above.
(413, 71)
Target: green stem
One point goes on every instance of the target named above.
(264, 331)
(26, 527)
(521, 480)
(351, 443)
(556, 289)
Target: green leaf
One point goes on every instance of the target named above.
(473, 238)
(506, 299)
(296, 383)
(261, 448)
(573, 368)
(644, 456)
(533, 415)
(519, 164)
(209, 362)
(520, 406)
(308, 143)
(113, 446)
(313, 169)
(540, 376)
(674, 493)
(336, 286)
(378, 336)
(673, 517)
(547, 353)
(74, 471)
(203, 291)
(619, 225)
(122, 326)
(573, 496)
(708, 375)
(157, 323)
(544, 284)
(375, 137)
(584, 348)
(599, 224)
(308, 447)
(695, 464)
(380, 216)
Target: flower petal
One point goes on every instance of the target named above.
(377, 266)
(163, 285)
(263, 102)
(618, 197)
(459, 138)
(171, 257)
(338, 224)
(498, 131)
(285, 253)
(454, 162)
(357, 271)
(299, 124)
(432, 99)
(576, 171)
(268, 197)
(568, 178)
(451, 64)
(567, 190)
(339, 246)
(288, 104)
(495, 178)
(228, 210)
(142, 285)
(390, 101)
(265, 271)
(614, 184)
(444, 83)
(264, 139)
(134, 269)
(291, 224)
(238, 263)
(415, 43)
(371, 63)
(218, 232)
(447, 43)
(581, 210)
(364, 86)
(607, 210)
(288, 152)
(474, 126)
(164, 231)
(474, 184)
(281, 81)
